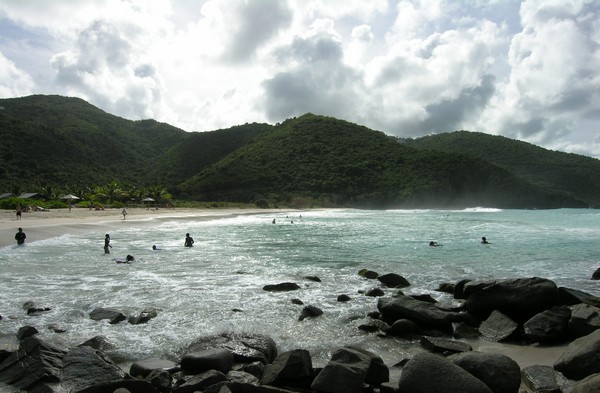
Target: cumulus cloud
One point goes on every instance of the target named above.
(13, 81)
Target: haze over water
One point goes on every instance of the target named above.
(217, 284)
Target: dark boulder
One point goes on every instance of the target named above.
(424, 297)
(427, 373)
(32, 365)
(570, 297)
(113, 316)
(160, 379)
(590, 384)
(403, 328)
(375, 292)
(87, 368)
(596, 274)
(37, 310)
(499, 372)
(313, 278)
(348, 369)
(26, 331)
(393, 280)
(310, 312)
(519, 298)
(464, 330)
(424, 314)
(544, 379)
(498, 327)
(142, 368)
(343, 298)
(366, 273)
(210, 359)
(246, 347)
(582, 357)
(297, 301)
(550, 326)
(199, 382)
(290, 369)
(446, 287)
(444, 346)
(100, 343)
(281, 287)
(584, 319)
(143, 317)
(459, 289)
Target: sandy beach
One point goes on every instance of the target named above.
(40, 225)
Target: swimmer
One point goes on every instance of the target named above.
(434, 244)
(156, 248)
(189, 242)
(484, 241)
(128, 259)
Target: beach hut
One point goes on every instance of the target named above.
(6, 195)
(30, 195)
(148, 200)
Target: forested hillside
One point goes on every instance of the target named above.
(69, 144)
(572, 174)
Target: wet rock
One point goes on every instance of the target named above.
(446, 287)
(590, 384)
(544, 379)
(498, 327)
(246, 347)
(142, 368)
(348, 369)
(282, 287)
(366, 273)
(426, 373)
(143, 317)
(199, 382)
(100, 343)
(297, 301)
(596, 274)
(211, 359)
(56, 328)
(581, 359)
(290, 369)
(375, 292)
(310, 312)
(424, 314)
(403, 328)
(113, 316)
(393, 280)
(242, 377)
(444, 346)
(584, 319)
(570, 297)
(313, 278)
(9, 343)
(519, 298)
(549, 326)
(26, 331)
(463, 330)
(37, 310)
(343, 298)
(33, 365)
(424, 298)
(499, 372)
(459, 289)
(161, 380)
(85, 367)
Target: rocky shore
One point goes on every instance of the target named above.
(517, 311)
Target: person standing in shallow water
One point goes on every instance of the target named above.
(20, 237)
(189, 242)
(107, 245)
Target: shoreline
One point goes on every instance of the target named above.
(42, 225)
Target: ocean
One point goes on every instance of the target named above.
(216, 285)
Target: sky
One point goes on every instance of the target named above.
(527, 70)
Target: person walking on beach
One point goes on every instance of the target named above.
(20, 237)
(107, 244)
(19, 211)
(124, 213)
(189, 242)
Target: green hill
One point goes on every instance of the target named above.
(333, 161)
(561, 172)
(69, 144)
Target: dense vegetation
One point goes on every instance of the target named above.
(54, 144)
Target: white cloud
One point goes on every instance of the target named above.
(404, 67)
(13, 81)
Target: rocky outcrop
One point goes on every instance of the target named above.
(426, 373)
(544, 379)
(582, 357)
(550, 326)
(424, 314)
(290, 369)
(246, 348)
(585, 319)
(499, 372)
(519, 298)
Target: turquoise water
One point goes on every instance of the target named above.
(195, 290)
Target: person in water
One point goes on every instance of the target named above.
(484, 241)
(434, 244)
(20, 237)
(128, 259)
(189, 242)
(107, 244)
(156, 248)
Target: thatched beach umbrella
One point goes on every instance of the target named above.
(70, 198)
(148, 199)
